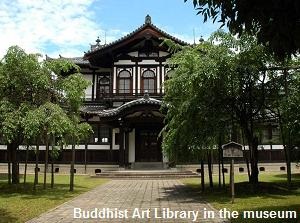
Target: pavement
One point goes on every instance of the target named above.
(138, 200)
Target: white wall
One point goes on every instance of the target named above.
(88, 91)
(114, 146)
(131, 154)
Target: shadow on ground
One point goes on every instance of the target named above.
(6, 217)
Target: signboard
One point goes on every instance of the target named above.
(232, 150)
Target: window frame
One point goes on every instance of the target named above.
(119, 79)
(143, 78)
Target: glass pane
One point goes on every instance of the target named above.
(124, 85)
(124, 73)
(104, 80)
(148, 74)
(149, 85)
(104, 89)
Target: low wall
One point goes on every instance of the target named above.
(63, 168)
(242, 168)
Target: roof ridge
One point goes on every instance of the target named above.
(147, 23)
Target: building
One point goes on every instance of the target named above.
(123, 102)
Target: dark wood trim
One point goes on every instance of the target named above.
(110, 144)
(112, 81)
(93, 86)
(136, 77)
(160, 77)
(124, 66)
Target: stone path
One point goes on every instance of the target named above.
(133, 201)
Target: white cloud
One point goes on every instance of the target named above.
(49, 26)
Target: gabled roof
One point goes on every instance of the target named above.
(147, 26)
(101, 112)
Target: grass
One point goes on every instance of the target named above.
(272, 195)
(19, 203)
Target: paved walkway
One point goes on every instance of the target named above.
(133, 201)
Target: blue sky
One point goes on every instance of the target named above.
(67, 27)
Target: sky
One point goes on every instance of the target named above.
(68, 27)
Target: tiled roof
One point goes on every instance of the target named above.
(91, 109)
(146, 24)
(76, 60)
(100, 111)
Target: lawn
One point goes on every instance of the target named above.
(19, 203)
(271, 196)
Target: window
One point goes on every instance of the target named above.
(148, 81)
(104, 134)
(101, 134)
(124, 85)
(94, 137)
(103, 87)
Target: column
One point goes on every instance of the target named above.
(121, 148)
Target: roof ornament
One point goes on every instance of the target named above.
(98, 41)
(146, 96)
(148, 19)
(201, 40)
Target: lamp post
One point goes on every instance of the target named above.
(232, 150)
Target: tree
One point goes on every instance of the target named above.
(23, 82)
(74, 88)
(34, 100)
(285, 104)
(217, 86)
(274, 23)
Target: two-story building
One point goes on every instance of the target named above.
(123, 102)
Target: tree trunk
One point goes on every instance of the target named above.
(72, 168)
(223, 174)
(36, 169)
(52, 163)
(209, 165)
(52, 173)
(9, 165)
(202, 176)
(46, 160)
(246, 158)
(254, 162)
(26, 161)
(15, 168)
(288, 165)
(286, 142)
(219, 166)
(85, 156)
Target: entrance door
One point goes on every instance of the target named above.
(148, 146)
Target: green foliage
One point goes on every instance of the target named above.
(35, 98)
(215, 84)
(289, 108)
(54, 153)
(74, 88)
(48, 119)
(274, 23)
